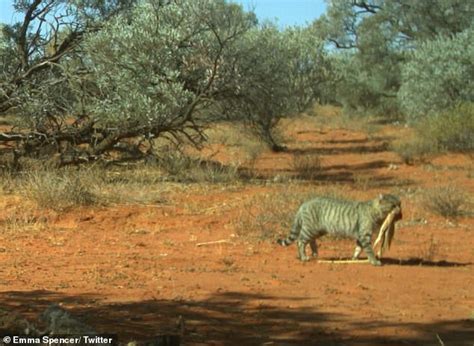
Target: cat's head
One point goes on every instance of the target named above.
(386, 203)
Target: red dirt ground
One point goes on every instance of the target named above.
(133, 269)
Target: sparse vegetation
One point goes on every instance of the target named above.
(266, 215)
(307, 166)
(6, 182)
(415, 150)
(22, 219)
(447, 201)
(363, 181)
(60, 190)
(430, 251)
(184, 168)
(449, 131)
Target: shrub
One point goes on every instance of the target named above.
(446, 201)
(307, 166)
(415, 150)
(438, 75)
(451, 130)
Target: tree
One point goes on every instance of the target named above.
(278, 73)
(40, 73)
(50, 31)
(376, 36)
(160, 70)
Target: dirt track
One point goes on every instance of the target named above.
(133, 269)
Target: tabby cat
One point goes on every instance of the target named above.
(353, 219)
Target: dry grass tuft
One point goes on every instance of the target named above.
(21, 220)
(447, 201)
(7, 183)
(183, 168)
(266, 215)
(240, 142)
(307, 167)
(60, 189)
(430, 250)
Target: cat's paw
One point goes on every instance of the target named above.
(376, 263)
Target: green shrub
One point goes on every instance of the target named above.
(451, 130)
(438, 75)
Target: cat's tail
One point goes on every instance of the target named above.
(294, 233)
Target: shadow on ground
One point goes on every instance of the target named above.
(351, 149)
(234, 318)
(414, 261)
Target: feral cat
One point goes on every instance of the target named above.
(353, 219)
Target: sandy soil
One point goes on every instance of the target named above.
(134, 269)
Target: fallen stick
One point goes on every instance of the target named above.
(214, 242)
(343, 261)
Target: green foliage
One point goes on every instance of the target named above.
(49, 33)
(439, 74)
(376, 36)
(7, 51)
(160, 67)
(279, 74)
(363, 86)
(451, 130)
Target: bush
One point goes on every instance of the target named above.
(415, 150)
(451, 130)
(446, 201)
(439, 74)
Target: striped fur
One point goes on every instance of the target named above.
(353, 219)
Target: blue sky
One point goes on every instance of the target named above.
(287, 12)
(6, 11)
